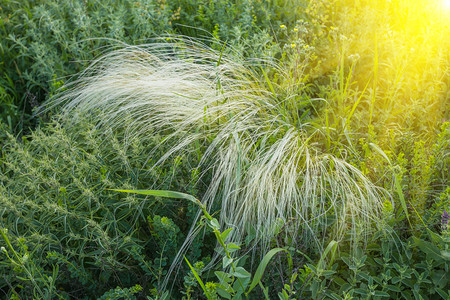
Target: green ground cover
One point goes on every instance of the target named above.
(314, 134)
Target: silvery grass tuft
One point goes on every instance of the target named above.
(266, 168)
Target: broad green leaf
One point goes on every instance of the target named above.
(445, 254)
(241, 273)
(223, 277)
(364, 275)
(361, 292)
(429, 249)
(339, 281)
(226, 261)
(232, 247)
(225, 234)
(223, 293)
(333, 296)
(332, 246)
(214, 223)
(442, 293)
(241, 284)
(328, 272)
(393, 288)
(283, 295)
(395, 280)
(381, 294)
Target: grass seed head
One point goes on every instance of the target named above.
(265, 169)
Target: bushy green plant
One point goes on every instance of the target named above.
(119, 293)
(389, 268)
(27, 270)
(415, 167)
(234, 281)
(58, 214)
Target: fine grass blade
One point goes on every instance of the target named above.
(375, 80)
(269, 83)
(381, 152)
(347, 121)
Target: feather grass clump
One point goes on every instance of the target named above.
(265, 166)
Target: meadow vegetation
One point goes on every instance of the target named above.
(196, 149)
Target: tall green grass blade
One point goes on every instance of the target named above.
(265, 291)
(401, 197)
(375, 80)
(262, 267)
(272, 90)
(161, 193)
(327, 126)
(198, 279)
(381, 152)
(347, 121)
(331, 248)
(218, 64)
(221, 53)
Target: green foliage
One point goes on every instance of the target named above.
(59, 214)
(234, 281)
(119, 293)
(44, 42)
(24, 267)
(389, 268)
(380, 72)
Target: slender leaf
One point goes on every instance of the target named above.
(262, 267)
(161, 193)
(198, 279)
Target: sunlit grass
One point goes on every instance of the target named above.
(397, 52)
(389, 75)
(269, 164)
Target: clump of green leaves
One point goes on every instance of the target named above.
(234, 282)
(27, 270)
(59, 214)
(120, 293)
(389, 268)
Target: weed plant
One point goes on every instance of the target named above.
(65, 229)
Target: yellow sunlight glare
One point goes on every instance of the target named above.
(446, 3)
